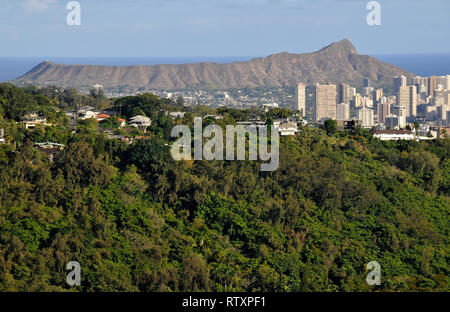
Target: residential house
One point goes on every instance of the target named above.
(50, 149)
(140, 122)
(87, 112)
(119, 137)
(176, 115)
(101, 117)
(110, 112)
(288, 128)
(249, 125)
(31, 120)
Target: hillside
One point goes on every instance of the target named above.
(136, 220)
(338, 62)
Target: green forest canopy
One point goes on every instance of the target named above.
(138, 221)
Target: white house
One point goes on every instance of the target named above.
(393, 135)
(31, 120)
(288, 128)
(140, 122)
(176, 115)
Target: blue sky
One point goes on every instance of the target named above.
(171, 28)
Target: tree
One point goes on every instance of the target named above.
(331, 127)
(97, 93)
(14, 102)
(180, 101)
(82, 168)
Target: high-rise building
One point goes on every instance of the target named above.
(441, 112)
(407, 96)
(444, 81)
(399, 82)
(343, 111)
(301, 98)
(421, 84)
(357, 99)
(345, 93)
(445, 95)
(398, 110)
(377, 95)
(366, 117)
(367, 91)
(384, 109)
(366, 83)
(432, 85)
(395, 122)
(366, 102)
(324, 102)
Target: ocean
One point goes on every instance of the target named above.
(14, 67)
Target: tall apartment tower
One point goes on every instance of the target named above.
(357, 100)
(384, 109)
(399, 82)
(432, 85)
(324, 102)
(301, 98)
(407, 96)
(444, 81)
(366, 83)
(343, 111)
(377, 95)
(345, 93)
(366, 117)
(420, 83)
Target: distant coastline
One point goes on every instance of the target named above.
(419, 64)
(13, 67)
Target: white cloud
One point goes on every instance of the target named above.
(38, 5)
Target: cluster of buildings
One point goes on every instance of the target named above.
(285, 126)
(233, 98)
(425, 100)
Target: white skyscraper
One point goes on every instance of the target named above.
(366, 117)
(301, 98)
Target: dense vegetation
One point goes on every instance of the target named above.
(138, 221)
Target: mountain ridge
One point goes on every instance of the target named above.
(336, 62)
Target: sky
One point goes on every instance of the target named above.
(172, 28)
